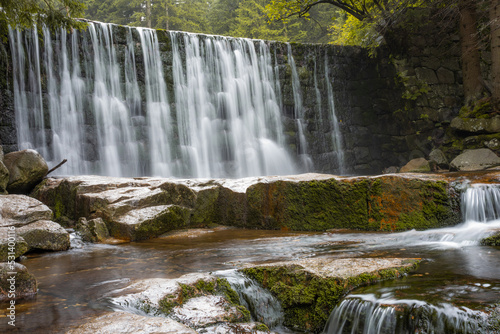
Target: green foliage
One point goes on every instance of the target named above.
(26, 14)
(239, 18)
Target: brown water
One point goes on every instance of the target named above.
(75, 284)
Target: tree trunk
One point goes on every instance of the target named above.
(471, 67)
(148, 13)
(495, 49)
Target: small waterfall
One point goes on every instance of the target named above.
(263, 306)
(481, 203)
(366, 314)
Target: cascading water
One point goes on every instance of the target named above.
(306, 160)
(263, 306)
(366, 314)
(336, 134)
(227, 109)
(110, 109)
(481, 203)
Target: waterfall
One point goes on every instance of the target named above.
(336, 135)
(370, 315)
(306, 160)
(227, 110)
(481, 203)
(263, 306)
(103, 101)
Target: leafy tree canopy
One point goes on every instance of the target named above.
(54, 14)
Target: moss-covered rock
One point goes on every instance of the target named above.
(45, 235)
(493, 240)
(384, 203)
(309, 289)
(137, 209)
(94, 230)
(149, 222)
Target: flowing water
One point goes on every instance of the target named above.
(190, 106)
(449, 292)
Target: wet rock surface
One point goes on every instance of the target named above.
(203, 302)
(19, 210)
(142, 208)
(45, 235)
(30, 224)
(124, 322)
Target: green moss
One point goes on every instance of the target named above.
(261, 328)
(478, 109)
(493, 240)
(217, 286)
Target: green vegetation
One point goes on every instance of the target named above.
(238, 18)
(54, 14)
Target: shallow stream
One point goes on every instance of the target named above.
(456, 274)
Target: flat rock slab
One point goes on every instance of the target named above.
(19, 210)
(343, 268)
(124, 322)
(206, 310)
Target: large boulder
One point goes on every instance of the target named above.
(25, 283)
(471, 160)
(419, 165)
(30, 222)
(19, 210)
(45, 235)
(26, 168)
(438, 158)
(4, 174)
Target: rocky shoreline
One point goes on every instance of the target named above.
(113, 210)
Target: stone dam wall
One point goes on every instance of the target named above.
(391, 107)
